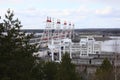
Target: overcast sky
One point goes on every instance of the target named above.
(83, 13)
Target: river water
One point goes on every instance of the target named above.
(111, 45)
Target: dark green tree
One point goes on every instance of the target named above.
(16, 54)
(67, 70)
(105, 71)
(50, 70)
(38, 71)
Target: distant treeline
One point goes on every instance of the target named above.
(33, 30)
(81, 30)
(102, 31)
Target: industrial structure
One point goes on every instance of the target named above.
(57, 38)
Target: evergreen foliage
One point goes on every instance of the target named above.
(38, 71)
(67, 70)
(16, 54)
(50, 70)
(105, 71)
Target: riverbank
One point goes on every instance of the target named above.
(102, 38)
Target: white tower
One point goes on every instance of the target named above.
(69, 31)
(55, 45)
(47, 33)
(65, 30)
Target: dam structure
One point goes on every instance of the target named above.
(56, 40)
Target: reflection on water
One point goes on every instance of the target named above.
(111, 45)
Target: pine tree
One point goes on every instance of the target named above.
(67, 70)
(50, 70)
(105, 71)
(38, 71)
(16, 54)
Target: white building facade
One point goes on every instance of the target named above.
(85, 47)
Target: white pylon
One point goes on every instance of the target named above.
(69, 30)
(47, 33)
(65, 29)
(54, 36)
